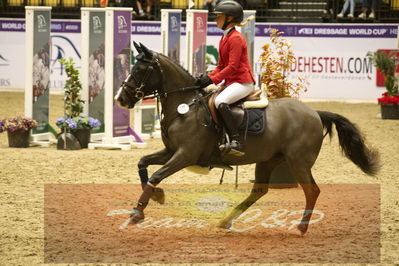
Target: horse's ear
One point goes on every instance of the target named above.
(138, 48)
(147, 52)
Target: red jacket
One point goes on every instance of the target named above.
(233, 64)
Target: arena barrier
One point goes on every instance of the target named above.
(116, 66)
(37, 72)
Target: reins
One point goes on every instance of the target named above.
(184, 89)
(139, 93)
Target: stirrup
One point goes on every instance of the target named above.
(227, 149)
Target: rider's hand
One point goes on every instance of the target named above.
(203, 81)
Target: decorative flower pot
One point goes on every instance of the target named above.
(18, 139)
(83, 136)
(67, 141)
(389, 111)
(281, 177)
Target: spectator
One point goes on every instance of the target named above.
(345, 7)
(366, 6)
(328, 10)
(136, 4)
(149, 9)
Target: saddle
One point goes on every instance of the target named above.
(253, 105)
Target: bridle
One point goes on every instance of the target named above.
(138, 91)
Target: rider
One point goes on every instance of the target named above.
(233, 68)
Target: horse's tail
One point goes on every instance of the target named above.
(352, 142)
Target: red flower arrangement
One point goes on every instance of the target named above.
(386, 99)
(386, 63)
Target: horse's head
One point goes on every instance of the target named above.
(144, 78)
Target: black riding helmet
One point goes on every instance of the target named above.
(230, 8)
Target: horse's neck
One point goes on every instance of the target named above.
(175, 78)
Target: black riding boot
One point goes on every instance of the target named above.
(228, 119)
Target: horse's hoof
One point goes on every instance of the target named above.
(224, 225)
(302, 228)
(137, 216)
(158, 195)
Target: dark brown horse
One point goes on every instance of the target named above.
(293, 133)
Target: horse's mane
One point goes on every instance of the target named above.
(180, 67)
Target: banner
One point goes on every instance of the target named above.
(249, 34)
(97, 67)
(174, 36)
(122, 34)
(199, 43)
(332, 57)
(40, 69)
(196, 41)
(170, 34)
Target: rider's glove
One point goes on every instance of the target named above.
(203, 81)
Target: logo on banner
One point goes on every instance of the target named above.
(305, 31)
(200, 24)
(61, 46)
(3, 61)
(41, 23)
(122, 25)
(4, 82)
(97, 25)
(174, 25)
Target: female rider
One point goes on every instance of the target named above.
(233, 69)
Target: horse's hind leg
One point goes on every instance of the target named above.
(260, 188)
(304, 176)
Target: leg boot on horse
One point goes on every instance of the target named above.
(235, 146)
(138, 211)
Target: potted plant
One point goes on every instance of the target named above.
(79, 126)
(276, 60)
(386, 63)
(18, 130)
(75, 128)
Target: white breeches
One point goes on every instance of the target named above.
(233, 93)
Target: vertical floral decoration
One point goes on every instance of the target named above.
(276, 60)
(72, 88)
(73, 102)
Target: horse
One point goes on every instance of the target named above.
(294, 133)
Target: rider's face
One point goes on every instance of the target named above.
(220, 18)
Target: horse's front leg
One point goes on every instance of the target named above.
(157, 158)
(177, 162)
